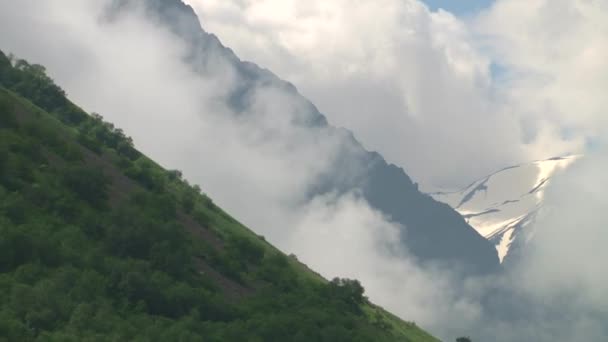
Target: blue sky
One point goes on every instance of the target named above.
(459, 7)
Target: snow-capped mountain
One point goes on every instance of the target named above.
(501, 205)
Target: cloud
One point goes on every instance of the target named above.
(568, 255)
(555, 291)
(554, 53)
(415, 85)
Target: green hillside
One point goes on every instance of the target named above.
(98, 242)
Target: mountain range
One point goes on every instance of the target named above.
(432, 231)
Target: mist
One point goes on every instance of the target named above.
(260, 164)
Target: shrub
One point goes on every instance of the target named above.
(91, 185)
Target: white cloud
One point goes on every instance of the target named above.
(554, 52)
(568, 255)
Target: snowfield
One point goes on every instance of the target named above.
(501, 205)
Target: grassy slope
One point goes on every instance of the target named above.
(211, 276)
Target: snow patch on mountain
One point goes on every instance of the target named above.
(501, 205)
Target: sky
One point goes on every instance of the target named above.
(413, 84)
(459, 7)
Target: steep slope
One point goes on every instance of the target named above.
(97, 242)
(432, 231)
(501, 205)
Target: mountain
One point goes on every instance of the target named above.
(431, 231)
(98, 242)
(502, 205)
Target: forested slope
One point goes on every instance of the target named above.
(98, 242)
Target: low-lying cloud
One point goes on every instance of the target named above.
(344, 236)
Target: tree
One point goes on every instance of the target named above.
(7, 118)
(89, 184)
(188, 201)
(463, 339)
(175, 175)
(348, 289)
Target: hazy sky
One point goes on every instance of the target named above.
(459, 7)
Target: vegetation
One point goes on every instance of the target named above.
(97, 242)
